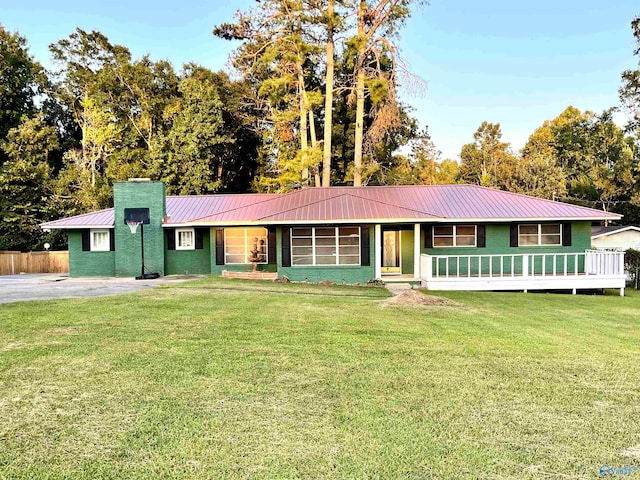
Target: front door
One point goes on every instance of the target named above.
(391, 252)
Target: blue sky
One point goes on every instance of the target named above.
(512, 62)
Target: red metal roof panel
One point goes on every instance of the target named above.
(340, 204)
(101, 218)
(186, 208)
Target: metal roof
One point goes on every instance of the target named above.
(187, 208)
(101, 218)
(437, 203)
(475, 202)
(322, 205)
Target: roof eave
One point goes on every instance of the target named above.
(384, 221)
(72, 227)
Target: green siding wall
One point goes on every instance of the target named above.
(497, 243)
(338, 274)
(186, 262)
(149, 195)
(88, 264)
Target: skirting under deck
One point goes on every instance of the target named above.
(535, 282)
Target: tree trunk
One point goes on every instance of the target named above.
(85, 131)
(303, 127)
(360, 80)
(314, 145)
(328, 100)
(359, 135)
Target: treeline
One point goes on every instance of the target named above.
(313, 102)
(103, 116)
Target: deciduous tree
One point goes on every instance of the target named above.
(20, 79)
(595, 156)
(25, 184)
(185, 153)
(487, 161)
(630, 89)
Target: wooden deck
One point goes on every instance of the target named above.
(572, 271)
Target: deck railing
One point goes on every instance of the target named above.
(591, 263)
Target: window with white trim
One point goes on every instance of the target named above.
(454, 235)
(100, 241)
(539, 234)
(325, 246)
(245, 245)
(185, 239)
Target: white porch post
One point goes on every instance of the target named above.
(416, 250)
(621, 269)
(377, 245)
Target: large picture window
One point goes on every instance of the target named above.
(539, 234)
(241, 244)
(325, 246)
(100, 240)
(454, 236)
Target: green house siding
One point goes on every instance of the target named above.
(88, 264)
(498, 243)
(339, 273)
(186, 262)
(149, 195)
(348, 274)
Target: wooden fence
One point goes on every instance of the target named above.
(13, 263)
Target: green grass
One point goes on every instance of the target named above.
(238, 379)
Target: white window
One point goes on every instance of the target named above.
(100, 241)
(539, 234)
(325, 246)
(185, 239)
(454, 236)
(245, 245)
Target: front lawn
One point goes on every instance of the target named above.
(237, 379)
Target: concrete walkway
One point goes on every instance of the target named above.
(49, 286)
(397, 288)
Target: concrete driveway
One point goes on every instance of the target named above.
(48, 286)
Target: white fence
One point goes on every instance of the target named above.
(591, 262)
(591, 269)
(599, 262)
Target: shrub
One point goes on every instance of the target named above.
(632, 265)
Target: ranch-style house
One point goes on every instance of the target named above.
(446, 237)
